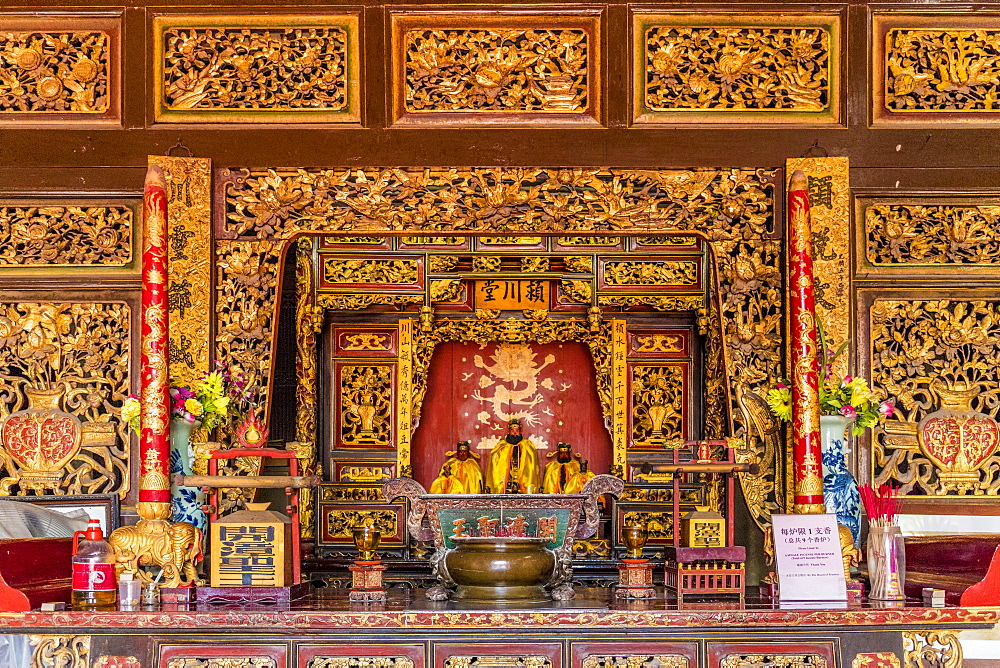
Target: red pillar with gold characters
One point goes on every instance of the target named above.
(154, 392)
(154, 540)
(807, 451)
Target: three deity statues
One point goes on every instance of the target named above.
(512, 467)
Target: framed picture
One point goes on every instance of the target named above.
(104, 507)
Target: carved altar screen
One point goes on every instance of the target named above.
(474, 388)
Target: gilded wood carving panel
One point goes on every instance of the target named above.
(924, 235)
(939, 360)
(270, 69)
(59, 651)
(726, 68)
(479, 68)
(658, 400)
(934, 69)
(69, 361)
(56, 234)
(58, 70)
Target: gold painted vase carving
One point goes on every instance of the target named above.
(956, 439)
(42, 440)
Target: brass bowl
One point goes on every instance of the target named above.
(366, 539)
(634, 536)
(500, 569)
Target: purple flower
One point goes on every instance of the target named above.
(848, 411)
(183, 393)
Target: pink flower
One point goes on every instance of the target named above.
(781, 386)
(848, 411)
(888, 408)
(189, 417)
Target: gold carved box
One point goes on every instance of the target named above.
(702, 527)
(251, 548)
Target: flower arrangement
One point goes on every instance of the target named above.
(848, 396)
(216, 398)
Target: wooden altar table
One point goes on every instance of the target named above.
(592, 631)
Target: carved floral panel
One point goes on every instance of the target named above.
(657, 404)
(56, 69)
(496, 70)
(61, 235)
(939, 360)
(283, 69)
(929, 234)
(726, 68)
(73, 359)
(280, 203)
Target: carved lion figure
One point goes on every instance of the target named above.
(174, 547)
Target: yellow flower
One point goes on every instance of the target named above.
(194, 407)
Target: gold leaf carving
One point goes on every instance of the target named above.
(363, 301)
(54, 72)
(446, 290)
(360, 662)
(394, 271)
(923, 351)
(932, 648)
(580, 264)
(306, 374)
(442, 263)
(941, 70)
(773, 660)
(222, 662)
(510, 70)
(657, 404)
(930, 234)
(580, 292)
(636, 661)
(340, 523)
(294, 67)
(683, 303)
(59, 651)
(622, 273)
(81, 352)
(737, 68)
(273, 203)
(498, 662)
(66, 235)
(366, 405)
(534, 264)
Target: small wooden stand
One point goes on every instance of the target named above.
(635, 579)
(705, 570)
(366, 583)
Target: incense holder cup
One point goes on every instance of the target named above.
(886, 563)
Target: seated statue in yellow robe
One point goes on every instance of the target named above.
(512, 467)
(560, 471)
(460, 473)
(575, 485)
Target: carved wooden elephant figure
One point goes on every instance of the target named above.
(174, 547)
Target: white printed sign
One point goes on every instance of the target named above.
(809, 561)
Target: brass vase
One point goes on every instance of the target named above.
(500, 568)
(366, 539)
(634, 537)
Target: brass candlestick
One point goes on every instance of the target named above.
(366, 539)
(634, 536)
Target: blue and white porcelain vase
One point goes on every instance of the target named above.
(840, 489)
(186, 502)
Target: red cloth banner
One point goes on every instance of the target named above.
(474, 389)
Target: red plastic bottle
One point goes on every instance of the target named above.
(94, 586)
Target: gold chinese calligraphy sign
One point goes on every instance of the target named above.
(511, 69)
(729, 68)
(256, 69)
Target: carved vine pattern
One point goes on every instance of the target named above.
(222, 662)
(942, 70)
(636, 661)
(280, 203)
(496, 70)
(340, 523)
(773, 660)
(737, 68)
(66, 235)
(661, 272)
(388, 271)
(83, 348)
(901, 234)
(247, 68)
(54, 72)
(308, 321)
(915, 343)
(62, 651)
(360, 662)
(932, 648)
